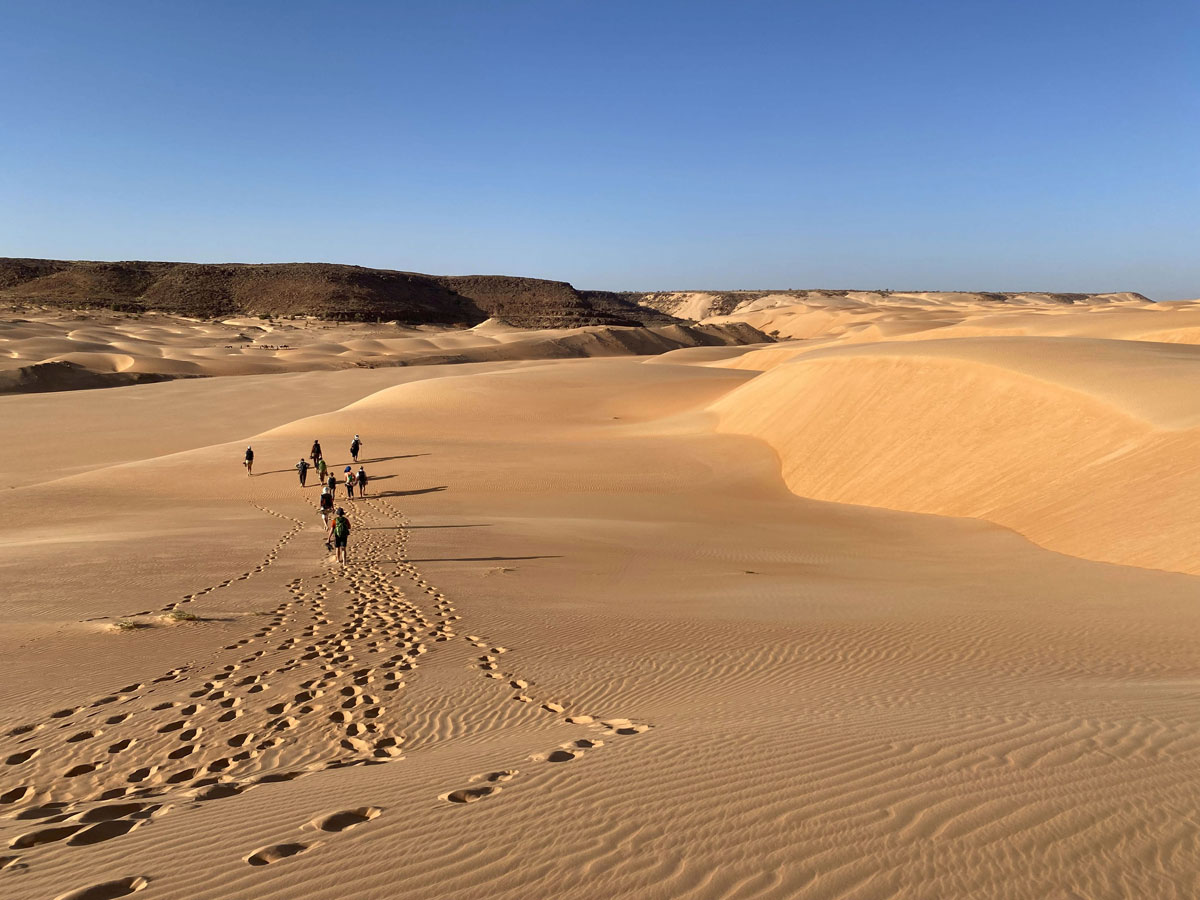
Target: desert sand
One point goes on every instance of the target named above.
(902, 606)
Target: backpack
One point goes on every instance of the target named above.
(327, 501)
(341, 527)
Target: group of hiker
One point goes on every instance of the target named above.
(329, 479)
(333, 517)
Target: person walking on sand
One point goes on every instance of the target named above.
(249, 461)
(349, 484)
(316, 453)
(361, 478)
(339, 534)
(326, 506)
(302, 468)
(355, 446)
(322, 469)
(331, 483)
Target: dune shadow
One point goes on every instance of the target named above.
(379, 459)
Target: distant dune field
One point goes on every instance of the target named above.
(52, 350)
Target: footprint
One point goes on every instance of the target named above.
(470, 795)
(102, 831)
(17, 793)
(43, 836)
(108, 813)
(108, 890)
(219, 792)
(276, 852)
(24, 756)
(346, 819)
(505, 775)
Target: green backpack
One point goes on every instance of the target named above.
(341, 527)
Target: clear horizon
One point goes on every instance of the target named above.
(656, 146)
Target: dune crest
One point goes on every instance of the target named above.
(1073, 443)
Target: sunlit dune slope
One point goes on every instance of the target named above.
(1077, 444)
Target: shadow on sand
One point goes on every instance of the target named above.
(412, 493)
(414, 527)
(479, 558)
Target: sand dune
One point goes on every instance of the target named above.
(1076, 443)
(835, 618)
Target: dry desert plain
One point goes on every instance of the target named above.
(904, 606)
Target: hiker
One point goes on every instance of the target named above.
(326, 506)
(361, 478)
(322, 469)
(355, 446)
(349, 484)
(339, 534)
(302, 468)
(316, 453)
(249, 461)
(331, 483)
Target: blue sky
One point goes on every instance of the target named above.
(630, 145)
